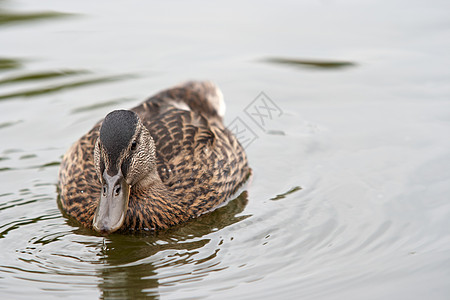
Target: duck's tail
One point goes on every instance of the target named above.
(200, 96)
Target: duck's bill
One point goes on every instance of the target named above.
(113, 204)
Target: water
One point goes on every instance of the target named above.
(349, 198)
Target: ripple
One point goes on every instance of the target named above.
(28, 156)
(311, 63)
(25, 160)
(15, 202)
(100, 105)
(9, 63)
(283, 195)
(9, 124)
(70, 85)
(41, 75)
(16, 224)
(10, 17)
(70, 257)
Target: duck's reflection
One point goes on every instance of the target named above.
(130, 271)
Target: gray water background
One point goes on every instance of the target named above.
(350, 193)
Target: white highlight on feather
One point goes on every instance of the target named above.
(211, 93)
(180, 105)
(219, 102)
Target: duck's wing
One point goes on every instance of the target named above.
(182, 119)
(201, 97)
(177, 132)
(197, 157)
(200, 161)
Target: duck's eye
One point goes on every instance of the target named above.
(104, 190)
(117, 190)
(133, 145)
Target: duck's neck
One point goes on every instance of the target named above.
(152, 205)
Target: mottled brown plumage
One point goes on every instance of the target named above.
(198, 161)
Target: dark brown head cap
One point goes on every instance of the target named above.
(116, 132)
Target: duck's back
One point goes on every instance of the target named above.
(198, 159)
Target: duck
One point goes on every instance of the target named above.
(164, 162)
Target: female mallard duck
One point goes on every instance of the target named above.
(161, 163)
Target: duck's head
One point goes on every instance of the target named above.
(124, 156)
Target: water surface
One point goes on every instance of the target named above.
(347, 117)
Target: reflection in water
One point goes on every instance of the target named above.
(130, 267)
(9, 17)
(16, 224)
(372, 217)
(283, 195)
(40, 76)
(9, 63)
(309, 63)
(100, 104)
(59, 87)
(33, 160)
(118, 282)
(8, 124)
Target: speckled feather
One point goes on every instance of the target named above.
(199, 161)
